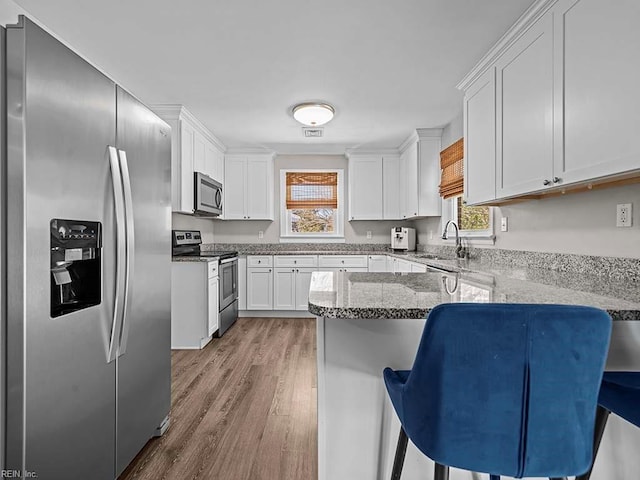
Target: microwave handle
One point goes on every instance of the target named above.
(219, 199)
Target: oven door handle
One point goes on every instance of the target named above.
(228, 260)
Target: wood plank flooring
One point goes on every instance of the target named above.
(243, 408)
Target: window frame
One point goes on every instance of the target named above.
(450, 212)
(286, 236)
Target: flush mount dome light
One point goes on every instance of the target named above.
(313, 114)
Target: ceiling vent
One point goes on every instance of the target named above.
(313, 132)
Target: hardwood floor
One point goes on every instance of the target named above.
(243, 408)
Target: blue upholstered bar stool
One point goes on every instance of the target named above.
(506, 389)
(619, 394)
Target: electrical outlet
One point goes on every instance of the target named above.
(504, 224)
(369, 234)
(260, 234)
(624, 215)
(430, 234)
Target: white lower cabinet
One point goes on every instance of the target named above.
(418, 268)
(259, 288)
(291, 288)
(377, 263)
(403, 265)
(194, 303)
(291, 278)
(242, 282)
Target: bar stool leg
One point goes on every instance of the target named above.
(401, 450)
(441, 472)
(602, 415)
(494, 477)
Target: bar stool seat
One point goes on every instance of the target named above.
(505, 389)
(619, 394)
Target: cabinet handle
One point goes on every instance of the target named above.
(546, 182)
(556, 179)
(269, 269)
(342, 261)
(297, 270)
(295, 261)
(259, 261)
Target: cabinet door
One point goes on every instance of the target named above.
(480, 140)
(235, 169)
(200, 153)
(391, 264)
(411, 185)
(284, 289)
(365, 188)
(377, 263)
(403, 265)
(187, 133)
(303, 282)
(525, 112)
(429, 200)
(596, 81)
(418, 268)
(402, 171)
(259, 188)
(212, 306)
(242, 282)
(217, 162)
(391, 187)
(259, 289)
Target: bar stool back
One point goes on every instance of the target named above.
(505, 389)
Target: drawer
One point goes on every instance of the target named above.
(259, 260)
(296, 261)
(212, 269)
(356, 261)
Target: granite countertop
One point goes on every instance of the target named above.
(189, 259)
(412, 295)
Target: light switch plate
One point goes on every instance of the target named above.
(504, 224)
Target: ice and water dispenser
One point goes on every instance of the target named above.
(76, 246)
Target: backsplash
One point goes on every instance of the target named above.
(250, 248)
(625, 269)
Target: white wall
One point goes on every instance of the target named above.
(239, 231)
(582, 223)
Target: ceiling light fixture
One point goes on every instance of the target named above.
(313, 114)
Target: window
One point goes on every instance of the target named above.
(311, 204)
(473, 222)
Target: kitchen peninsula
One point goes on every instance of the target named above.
(368, 321)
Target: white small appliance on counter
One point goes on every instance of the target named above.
(403, 238)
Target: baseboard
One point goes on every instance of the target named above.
(276, 313)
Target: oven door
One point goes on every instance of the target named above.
(228, 272)
(207, 199)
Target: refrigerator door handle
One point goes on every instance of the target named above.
(118, 200)
(130, 249)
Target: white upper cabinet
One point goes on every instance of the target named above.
(524, 82)
(365, 187)
(566, 107)
(420, 175)
(248, 187)
(480, 139)
(391, 187)
(597, 77)
(374, 186)
(193, 149)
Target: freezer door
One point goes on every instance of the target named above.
(144, 361)
(60, 386)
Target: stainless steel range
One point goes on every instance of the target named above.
(187, 243)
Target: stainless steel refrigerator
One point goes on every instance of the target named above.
(88, 248)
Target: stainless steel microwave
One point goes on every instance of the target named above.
(207, 192)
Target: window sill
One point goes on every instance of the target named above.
(484, 239)
(311, 239)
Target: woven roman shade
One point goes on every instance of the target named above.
(452, 170)
(312, 190)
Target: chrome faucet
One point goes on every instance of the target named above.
(460, 252)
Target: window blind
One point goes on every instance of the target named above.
(312, 190)
(452, 170)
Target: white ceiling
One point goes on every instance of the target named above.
(388, 66)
